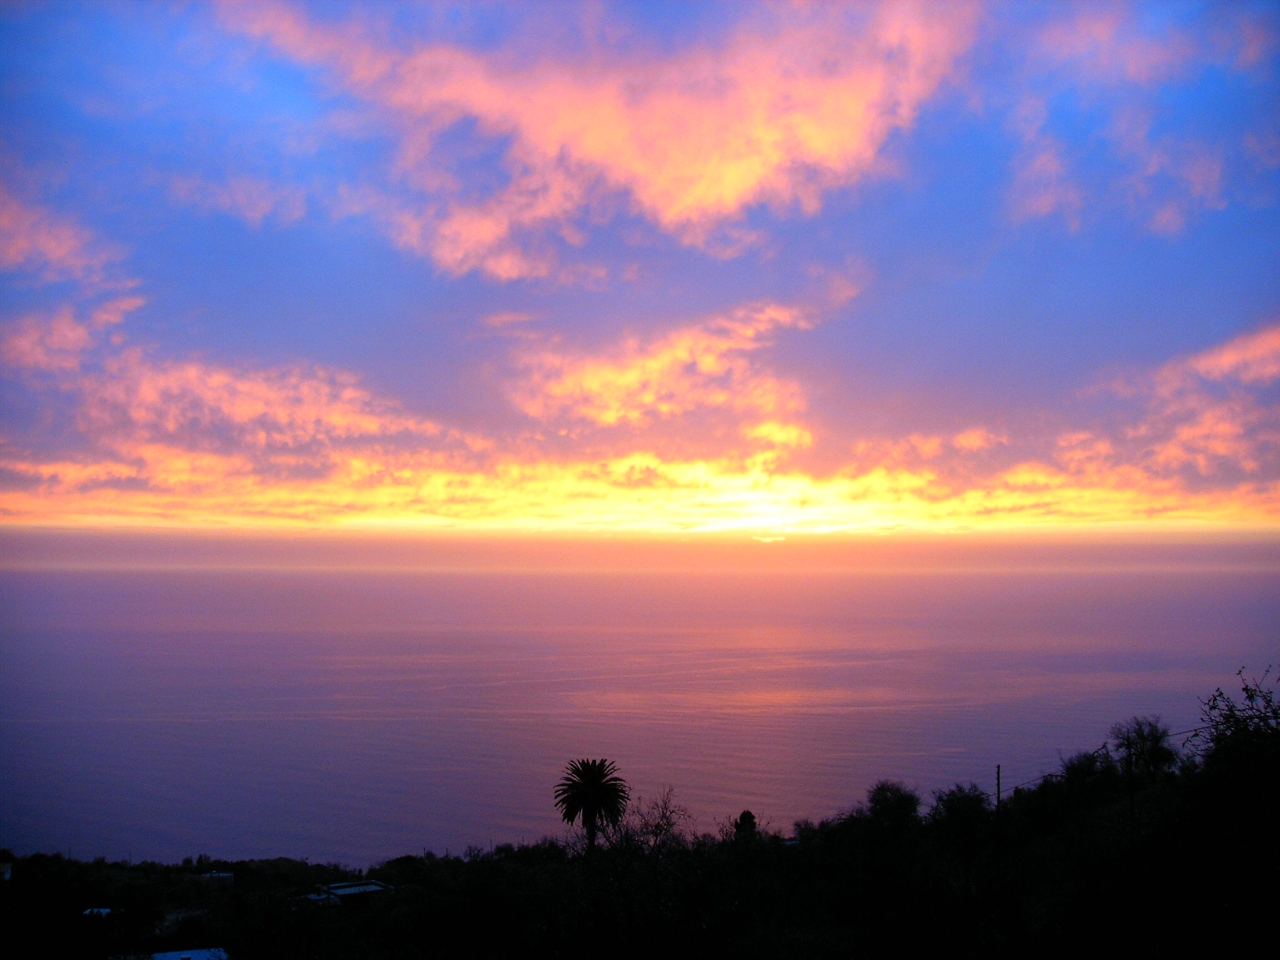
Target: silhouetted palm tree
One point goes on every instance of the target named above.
(593, 791)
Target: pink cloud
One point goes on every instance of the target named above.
(55, 248)
(244, 439)
(1207, 411)
(950, 462)
(1111, 56)
(1106, 44)
(1253, 358)
(506, 318)
(783, 112)
(136, 400)
(1263, 147)
(1042, 183)
(1255, 39)
(112, 312)
(60, 341)
(248, 198)
(1178, 175)
(1213, 435)
(38, 241)
(46, 343)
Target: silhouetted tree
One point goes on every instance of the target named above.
(664, 823)
(964, 810)
(892, 804)
(961, 819)
(1248, 731)
(1143, 745)
(744, 828)
(656, 824)
(591, 791)
(1089, 767)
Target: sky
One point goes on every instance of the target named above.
(765, 269)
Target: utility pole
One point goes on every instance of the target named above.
(999, 798)
(1133, 807)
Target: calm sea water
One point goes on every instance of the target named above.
(359, 716)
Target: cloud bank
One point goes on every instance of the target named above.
(192, 443)
(786, 110)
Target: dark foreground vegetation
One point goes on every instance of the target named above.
(1136, 848)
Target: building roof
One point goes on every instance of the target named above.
(356, 886)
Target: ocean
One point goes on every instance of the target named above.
(352, 716)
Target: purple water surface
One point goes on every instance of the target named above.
(359, 716)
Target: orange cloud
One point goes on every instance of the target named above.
(705, 366)
(639, 492)
(782, 112)
(977, 438)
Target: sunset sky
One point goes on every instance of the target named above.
(648, 268)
